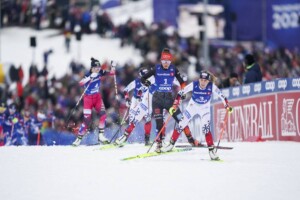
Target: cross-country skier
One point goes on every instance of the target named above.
(164, 74)
(202, 91)
(93, 99)
(139, 107)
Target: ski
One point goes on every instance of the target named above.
(203, 146)
(109, 146)
(152, 154)
(209, 160)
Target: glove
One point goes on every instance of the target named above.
(94, 75)
(147, 83)
(172, 110)
(229, 108)
(128, 103)
(140, 93)
(182, 96)
(15, 120)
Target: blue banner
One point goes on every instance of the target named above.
(275, 22)
(165, 11)
(283, 23)
(253, 89)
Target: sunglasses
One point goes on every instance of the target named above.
(166, 61)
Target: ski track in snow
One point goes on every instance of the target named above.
(265, 170)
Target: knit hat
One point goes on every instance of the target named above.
(95, 63)
(166, 55)
(205, 75)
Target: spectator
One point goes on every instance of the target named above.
(253, 73)
(46, 56)
(231, 81)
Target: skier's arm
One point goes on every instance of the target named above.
(179, 78)
(224, 100)
(146, 76)
(128, 88)
(181, 94)
(84, 80)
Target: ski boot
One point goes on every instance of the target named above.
(77, 141)
(121, 140)
(102, 138)
(158, 147)
(147, 140)
(168, 147)
(212, 153)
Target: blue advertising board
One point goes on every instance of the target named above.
(165, 11)
(265, 87)
(283, 23)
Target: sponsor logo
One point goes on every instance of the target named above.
(172, 74)
(257, 87)
(143, 106)
(187, 114)
(202, 93)
(296, 82)
(246, 89)
(288, 122)
(163, 74)
(270, 85)
(282, 84)
(236, 91)
(165, 88)
(225, 92)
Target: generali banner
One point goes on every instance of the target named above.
(272, 113)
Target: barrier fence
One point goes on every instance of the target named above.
(262, 111)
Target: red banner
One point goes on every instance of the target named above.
(252, 119)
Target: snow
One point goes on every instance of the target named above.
(266, 170)
(138, 10)
(15, 49)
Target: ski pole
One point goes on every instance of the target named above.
(113, 64)
(158, 135)
(123, 122)
(72, 111)
(115, 81)
(223, 128)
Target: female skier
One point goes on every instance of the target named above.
(93, 99)
(199, 104)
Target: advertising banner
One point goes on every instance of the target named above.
(283, 21)
(262, 111)
(289, 116)
(251, 118)
(165, 11)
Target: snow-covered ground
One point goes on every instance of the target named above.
(262, 171)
